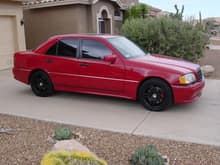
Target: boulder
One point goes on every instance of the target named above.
(70, 145)
(208, 70)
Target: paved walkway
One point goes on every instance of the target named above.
(197, 122)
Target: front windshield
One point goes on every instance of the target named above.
(127, 48)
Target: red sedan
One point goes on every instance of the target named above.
(111, 66)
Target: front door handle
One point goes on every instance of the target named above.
(84, 64)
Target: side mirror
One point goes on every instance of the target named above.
(110, 58)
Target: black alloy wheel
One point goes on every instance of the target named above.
(155, 95)
(41, 84)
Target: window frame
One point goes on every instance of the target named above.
(95, 40)
(57, 47)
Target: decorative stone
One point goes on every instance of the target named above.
(70, 145)
(166, 159)
(208, 70)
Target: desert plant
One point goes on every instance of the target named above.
(166, 36)
(137, 11)
(147, 155)
(63, 133)
(179, 14)
(63, 157)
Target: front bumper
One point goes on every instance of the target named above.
(189, 93)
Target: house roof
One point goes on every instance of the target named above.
(154, 9)
(30, 4)
(17, 0)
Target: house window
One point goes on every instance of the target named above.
(117, 12)
(101, 26)
(118, 15)
(104, 21)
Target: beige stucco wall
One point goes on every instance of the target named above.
(15, 10)
(40, 24)
(117, 26)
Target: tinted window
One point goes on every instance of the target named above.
(66, 47)
(94, 50)
(52, 50)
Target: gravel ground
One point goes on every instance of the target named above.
(29, 142)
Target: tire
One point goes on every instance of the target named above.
(155, 95)
(41, 84)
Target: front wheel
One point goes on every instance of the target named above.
(41, 84)
(155, 94)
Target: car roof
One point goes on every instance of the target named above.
(85, 35)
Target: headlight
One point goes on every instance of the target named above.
(187, 79)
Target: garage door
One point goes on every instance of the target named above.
(8, 41)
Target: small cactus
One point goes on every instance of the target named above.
(63, 133)
(146, 155)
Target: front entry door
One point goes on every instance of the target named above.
(96, 74)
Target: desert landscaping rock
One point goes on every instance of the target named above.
(70, 145)
(208, 70)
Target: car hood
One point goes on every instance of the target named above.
(168, 62)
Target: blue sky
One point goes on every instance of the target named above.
(208, 8)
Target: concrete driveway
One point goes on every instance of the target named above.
(198, 122)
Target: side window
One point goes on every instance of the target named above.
(65, 47)
(94, 49)
(52, 50)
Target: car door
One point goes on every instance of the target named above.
(95, 73)
(61, 63)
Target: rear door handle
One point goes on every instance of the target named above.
(49, 61)
(84, 64)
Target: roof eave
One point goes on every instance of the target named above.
(56, 3)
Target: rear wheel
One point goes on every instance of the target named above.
(155, 94)
(41, 84)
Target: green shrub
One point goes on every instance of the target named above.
(147, 155)
(166, 36)
(62, 133)
(63, 157)
(139, 10)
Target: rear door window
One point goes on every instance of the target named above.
(65, 48)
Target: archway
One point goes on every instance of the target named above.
(104, 21)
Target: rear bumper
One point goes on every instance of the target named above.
(21, 74)
(187, 94)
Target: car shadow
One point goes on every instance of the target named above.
(95, 98)
(121, 102)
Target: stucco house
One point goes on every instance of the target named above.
(12, 36)
(45, 18)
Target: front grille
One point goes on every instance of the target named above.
(199, 74)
